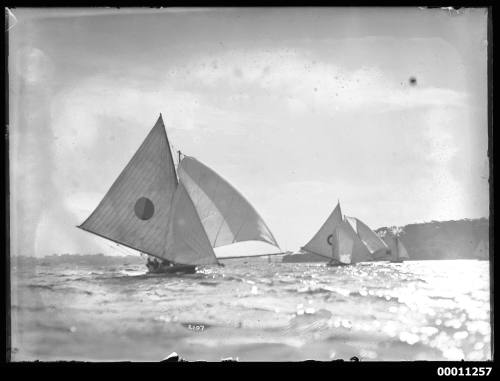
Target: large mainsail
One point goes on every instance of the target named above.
(321, 242)
(225, 214)
(135, 211)
(372, 241)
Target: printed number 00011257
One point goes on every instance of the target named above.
(469, 371)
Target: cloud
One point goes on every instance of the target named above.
(33, 65)
(308, 83)
(280, 124)
(91, 131)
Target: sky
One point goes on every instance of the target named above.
(297, 108)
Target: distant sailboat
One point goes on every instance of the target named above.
(482, 251)
(400, 254)
(328, 235)
(398, 250)
(177, 217)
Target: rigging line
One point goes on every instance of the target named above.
(170, 147)
(121, 243)
(197, 183)
(113, 247)
(124, 249)
(119, 248)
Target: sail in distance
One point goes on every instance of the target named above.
(321, 242)
(342, 245)
(402, 253)
(360, 252)
(371, 240)
(396, 246)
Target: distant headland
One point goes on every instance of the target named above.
(424, 241)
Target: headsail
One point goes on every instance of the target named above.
(352, 221)
(372, 241)
(360, 252)
(225, 214)
(322, 240)
(342, 245)
(135, 211)
(187, 242)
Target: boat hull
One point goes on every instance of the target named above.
(337, 264)
(303, 258)
(175, 269)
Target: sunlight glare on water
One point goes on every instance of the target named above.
(256, 311)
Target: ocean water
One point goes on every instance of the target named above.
(252, 310)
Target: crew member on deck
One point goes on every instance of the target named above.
(152, 264)
(164, 263)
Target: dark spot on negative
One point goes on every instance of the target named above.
(144, 208)
(413, 81)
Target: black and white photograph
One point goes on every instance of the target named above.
(249, 184)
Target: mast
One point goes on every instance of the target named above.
(170, 149)
(397, 248)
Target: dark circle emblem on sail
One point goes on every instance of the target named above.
(144, 208)
(329, 239)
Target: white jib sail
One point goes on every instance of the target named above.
(360, 252)
(187, 242)
(225, 214)
(371, 240)
(342, 245)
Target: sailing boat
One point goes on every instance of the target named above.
(398, 250)
(328, 235)
(175, 216)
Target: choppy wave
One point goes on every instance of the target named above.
(432, 310)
